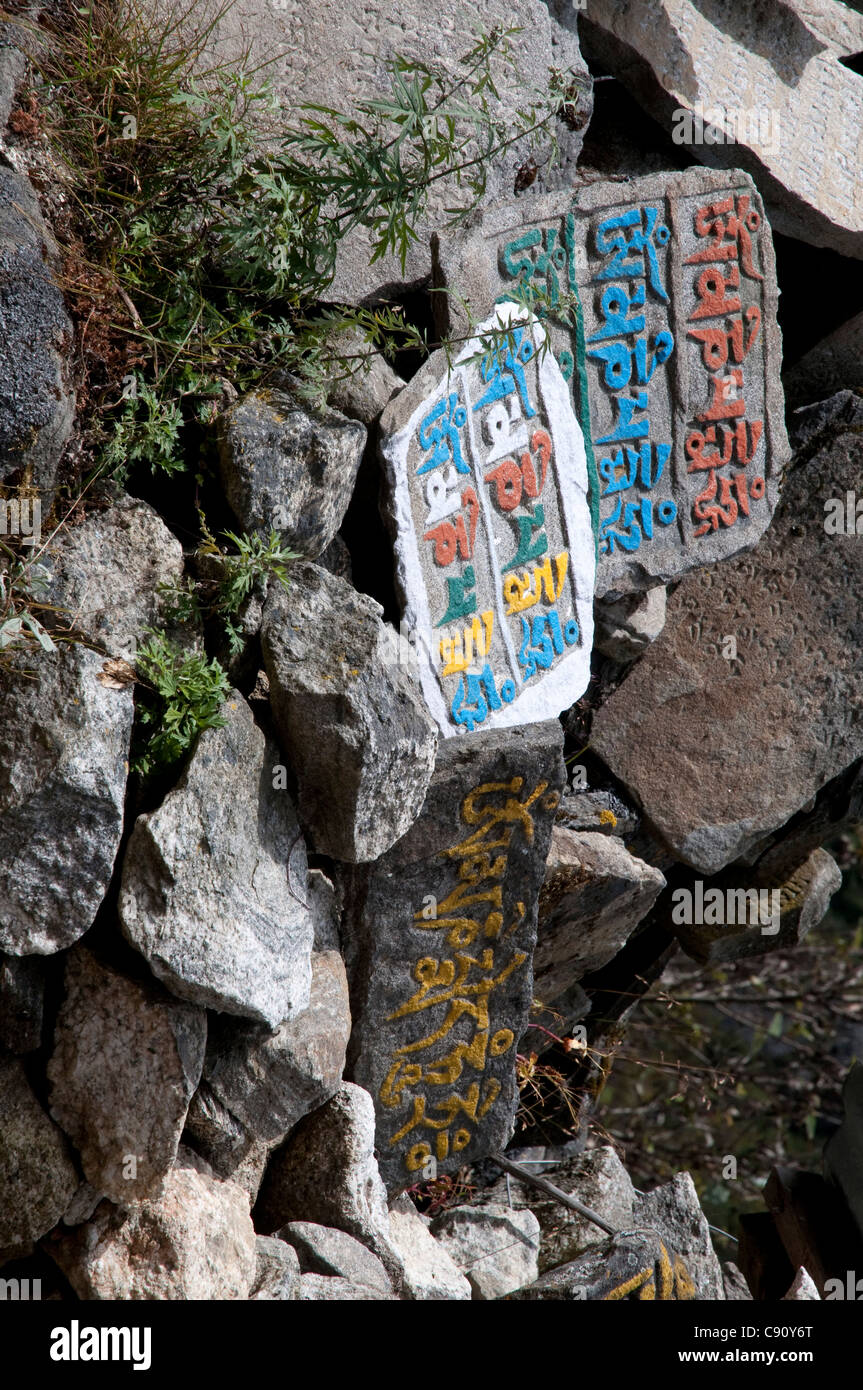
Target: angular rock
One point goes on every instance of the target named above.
(597, 1179)
(439, 935)
(22, 995)
(757, 736)
(277, 1271)
(777, 915)
(258, 1085)
(126, 1061)
(326, 911)
(594, 895)
(674, 1211)
(230, 1151)
(803, 1290)
(632, 1266)
(493, 1246)
(336, 55)
(323, 1250)
(64, 736)
(213, 892)
(364, 393)
(64, 744)
(37, 399)
(285, 468)
(194, 1243)
(105, 574)
(351, 721)
(320, 1288)
(736, 1287)
(37, 1175)
(623, 630)
(495, 559)
(601, 812)
(795, 129)
(325, 1172)
(674, 361)
(427, 1270)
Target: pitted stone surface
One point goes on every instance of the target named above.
(286, 468)
(213, 887)
(37, 401)
(721, 752)
(127, 1058)
(495, 553)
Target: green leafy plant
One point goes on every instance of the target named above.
(254, 560)
(182, 693)
(22, 586)
(217, 227)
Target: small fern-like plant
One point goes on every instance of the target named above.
(182, 693)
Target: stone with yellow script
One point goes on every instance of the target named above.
(439, 936)
(632, 1266)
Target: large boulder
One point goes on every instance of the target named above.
(337, 55)
(438, 936)
(214, 887)
(495, 559)
(37, 1175)
(257, 1085)
(766, 91)
(64, 735)
(285, 468)
(37, 399)
(680, 405)
(195, 1242)
(350, 718)
(745, 707)
(64, 745)
(127, 1058)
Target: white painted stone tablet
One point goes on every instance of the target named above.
(495, 552)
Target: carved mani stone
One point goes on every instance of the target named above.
(439, 936)
(661, 296)
(723, 741)
(495, 551)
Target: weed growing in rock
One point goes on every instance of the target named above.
(181, 695)
(22, 586)
(218, 225)
(254, 562)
